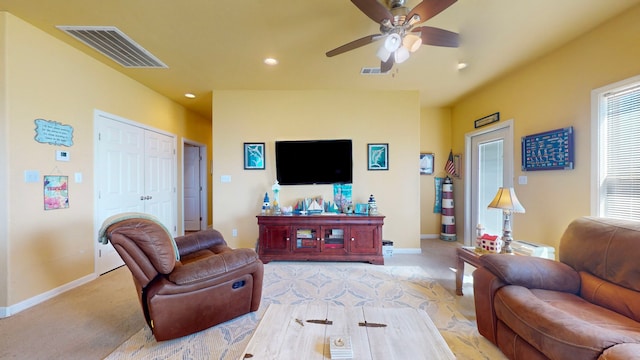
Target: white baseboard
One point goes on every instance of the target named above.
(429, 236)
(23, 305)
(407, 251)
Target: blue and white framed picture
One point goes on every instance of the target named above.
(426, 164)
(377, 156)
(254, 156)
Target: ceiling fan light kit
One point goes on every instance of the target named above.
(397, 28)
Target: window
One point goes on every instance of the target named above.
(616, 153)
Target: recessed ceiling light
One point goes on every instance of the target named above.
(462, 65)
(271, 61)
(190, 96)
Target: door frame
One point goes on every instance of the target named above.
(469, 229)
(97, 224)
(204, 197)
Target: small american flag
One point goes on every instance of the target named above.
(450, 167)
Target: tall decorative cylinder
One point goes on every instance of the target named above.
(448, 232)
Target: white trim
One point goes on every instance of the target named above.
(596, 175)
(407, 251)
(429, 236)
(23, 305)
(508, 159)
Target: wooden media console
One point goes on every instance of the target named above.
(336, 237)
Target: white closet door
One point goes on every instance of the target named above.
(159, 176)
(119, 179)
(135, 172)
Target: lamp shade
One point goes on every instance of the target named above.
(412, 42)
(506, 199)
(392, 42)
(383, 54)
(401, 55)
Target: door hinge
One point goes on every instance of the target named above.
(99, 136)
(99, 252)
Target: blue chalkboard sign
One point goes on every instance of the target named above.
(551, 150)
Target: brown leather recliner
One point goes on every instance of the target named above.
(585, 306)
(209, 284)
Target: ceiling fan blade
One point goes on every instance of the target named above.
(354, 45)
(429, 8)
(385, 66)
(373, 9)
(437, 37)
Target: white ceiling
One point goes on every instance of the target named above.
(220, 45)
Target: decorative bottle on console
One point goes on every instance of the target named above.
(276, 197)
(373, 207)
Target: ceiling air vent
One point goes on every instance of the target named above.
(113, 43)
(371, 71)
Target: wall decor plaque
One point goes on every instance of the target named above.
(550, 150)
(53, 132)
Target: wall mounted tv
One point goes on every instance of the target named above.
(306, 162)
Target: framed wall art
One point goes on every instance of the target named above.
(550, 150)
(56, 192)
(426, 164)
(487, 120)
(254, 156)
(377, 156)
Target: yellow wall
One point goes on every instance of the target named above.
(4, 153)
(365, 117)
(435, 137)
(550, 93)
(45, 78)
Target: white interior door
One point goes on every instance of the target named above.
(135, 172)
(119, 179)
(490, 165)
(159, 190)
(192, 188)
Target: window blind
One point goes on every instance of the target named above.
(621, 154)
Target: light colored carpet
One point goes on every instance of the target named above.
(335, 283)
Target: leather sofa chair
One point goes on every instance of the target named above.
(209, 284)
(585, 306)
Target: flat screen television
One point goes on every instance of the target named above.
(305, 162)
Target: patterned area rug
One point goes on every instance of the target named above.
(335, 283)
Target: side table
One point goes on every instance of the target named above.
(468, 255)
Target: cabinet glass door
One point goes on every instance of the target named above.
(306, 239)
(333, 239)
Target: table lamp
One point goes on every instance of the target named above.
(506, 200)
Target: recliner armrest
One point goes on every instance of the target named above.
(212, 266)
(532, 272)
(205, 239)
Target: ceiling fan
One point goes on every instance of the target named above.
(398, 29)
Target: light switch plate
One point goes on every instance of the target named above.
(31, 176)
